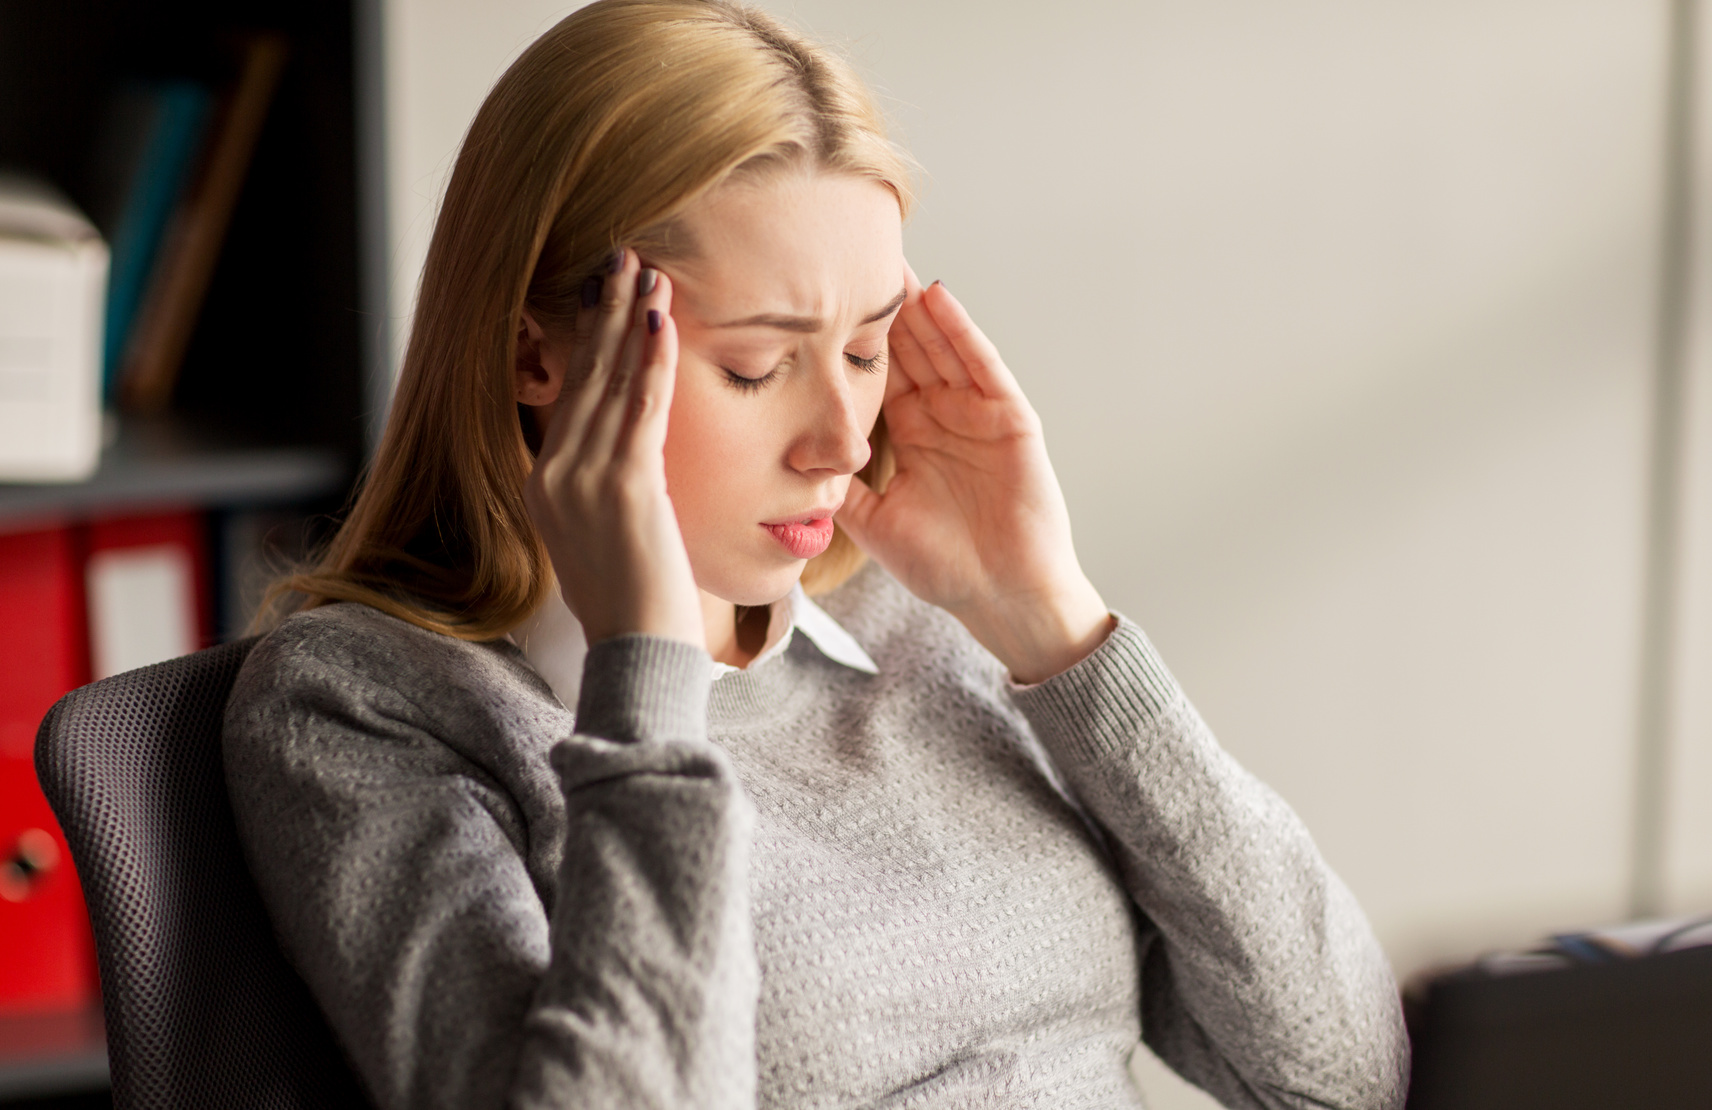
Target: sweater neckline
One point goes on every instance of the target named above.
(765, 691)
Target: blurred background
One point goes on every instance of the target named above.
(1344, 323)
(1373, 343)
(1344, 320)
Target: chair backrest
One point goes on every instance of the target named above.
(202, 1008)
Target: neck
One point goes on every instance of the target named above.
(732, 640)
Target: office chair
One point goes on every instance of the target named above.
(202, 1008)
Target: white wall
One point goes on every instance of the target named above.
(1689, 834)
(441, 57)
(1340, 319)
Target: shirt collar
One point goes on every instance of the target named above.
(796, 613)
(552, 641)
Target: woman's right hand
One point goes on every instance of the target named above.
(598, 493)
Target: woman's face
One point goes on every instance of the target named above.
(782, 317)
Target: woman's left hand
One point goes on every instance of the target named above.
(973, 520)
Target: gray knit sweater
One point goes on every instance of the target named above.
(805, 886)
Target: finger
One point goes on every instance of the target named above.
(593, 285)
(902, 349)
(898, 381)
(613, 312)
(607, 324)
(974, 351)
(857, 513)
(570, 421)
(906, 354)
(608, 421)
(597, 302)
(925, 330)
(643, 434)
(651, 401)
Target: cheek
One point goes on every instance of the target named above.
(867, 398)
(711, 459)
(871, 395)
(689, 437)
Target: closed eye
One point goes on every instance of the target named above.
(746, 384)
(872, 364)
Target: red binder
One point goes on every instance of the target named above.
(48, 959)
(140, 584)
(42, 630)
(148, 590)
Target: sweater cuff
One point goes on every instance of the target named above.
(1104, 702)
(639, 687)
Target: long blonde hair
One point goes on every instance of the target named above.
(602, 133)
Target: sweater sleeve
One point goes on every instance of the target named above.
(393, 869)
(1261, 980)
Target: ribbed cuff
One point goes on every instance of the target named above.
(640, 687)
(1104, 702)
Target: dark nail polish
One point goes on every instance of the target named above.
(646, 280)
(655, 320)
(591, 292)
(616, 262)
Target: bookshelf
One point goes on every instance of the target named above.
(166, 461)
(277, 397)
(277, 356)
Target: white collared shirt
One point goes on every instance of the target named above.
(553, 642)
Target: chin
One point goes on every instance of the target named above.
(756, 586)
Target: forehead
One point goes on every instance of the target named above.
(799, 243)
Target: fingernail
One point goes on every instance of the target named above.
(646, 280)
(941, 284)
(591, 292)
(616, 262)
(654, 320)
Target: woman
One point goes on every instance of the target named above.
(951, 836)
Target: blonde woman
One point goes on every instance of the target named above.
(561, 791)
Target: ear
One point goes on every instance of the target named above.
(540, 369)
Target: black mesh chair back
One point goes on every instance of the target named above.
(202, 1008)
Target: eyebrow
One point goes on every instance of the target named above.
(786, 322)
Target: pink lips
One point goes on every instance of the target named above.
(804, 539)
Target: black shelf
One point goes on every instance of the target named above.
(169, 463)
(52, 1054)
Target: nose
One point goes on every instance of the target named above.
(833, 438)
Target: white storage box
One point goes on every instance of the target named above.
(53, 287)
